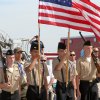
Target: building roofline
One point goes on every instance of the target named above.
(78, 37)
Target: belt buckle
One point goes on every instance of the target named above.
(12, 92)
(90, 80)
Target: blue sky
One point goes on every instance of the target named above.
(18, 18)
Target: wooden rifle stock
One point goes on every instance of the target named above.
(4, 69)
(96, 62)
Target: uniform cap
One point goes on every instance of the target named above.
(34, 45)
(88, 43)
(61, 45)
(10, 52)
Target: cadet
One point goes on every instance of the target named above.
(96, 53)
(86, 75)
(33, 76)
(9, 78)
(18, 60)
(59, 71)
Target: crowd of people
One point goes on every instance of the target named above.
(27, 80)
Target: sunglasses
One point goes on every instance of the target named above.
(72, 54)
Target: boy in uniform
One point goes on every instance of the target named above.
(10, 78)
(59, 71)
(32, 71)
(18, 61)
(86, 78)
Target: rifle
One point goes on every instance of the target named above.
(4, 69)
(4, 65)
(96, 62)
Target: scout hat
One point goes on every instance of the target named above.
(10, 52)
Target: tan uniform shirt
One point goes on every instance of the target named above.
(1, 77)
(23, 79)
(57, 73)
(13, 78)
(30, 78)
(86, 70)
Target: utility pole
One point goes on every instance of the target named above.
(25, 43)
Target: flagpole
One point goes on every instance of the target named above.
(39, 54)
(68, 44)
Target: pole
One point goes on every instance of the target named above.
(39, 54)
(68, 43)
(39, 59)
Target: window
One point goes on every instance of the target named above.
(94, 39)
(70, 41)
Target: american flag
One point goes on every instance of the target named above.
(75, 15)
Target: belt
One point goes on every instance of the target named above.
(91, 80)
(12, 92)
(88, 81)
(0, 91)
(63, 83)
